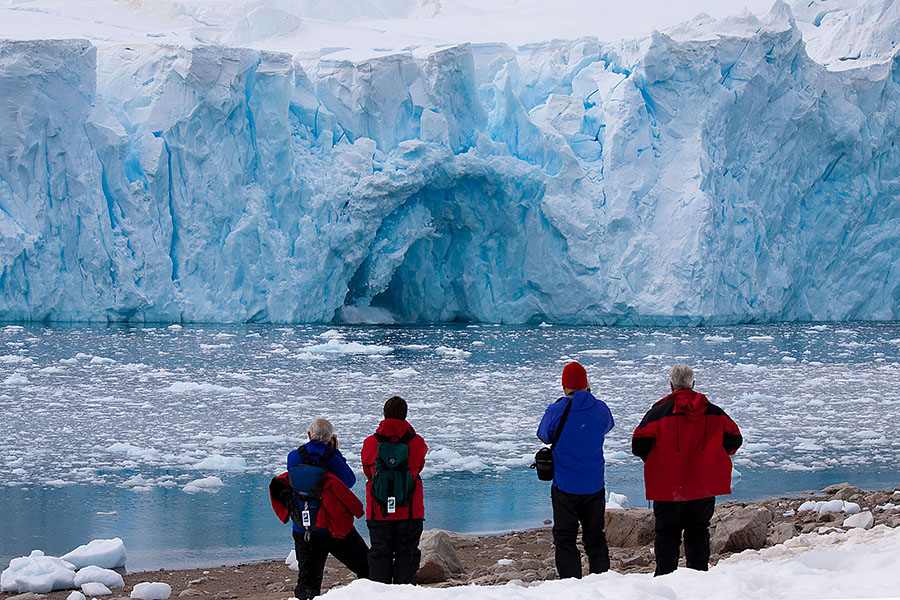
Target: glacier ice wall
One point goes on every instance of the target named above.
(710, 175)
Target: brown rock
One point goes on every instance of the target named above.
(630, 527)
(782, 533)
(187, 593)
(432, 572)
(741, 529)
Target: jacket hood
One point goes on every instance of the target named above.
(394, 427)
(583, 400)
(689, 402)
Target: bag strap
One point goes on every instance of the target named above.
(562, 423)
(320, 462)
(406, 438)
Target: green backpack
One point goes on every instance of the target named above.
(392, 482)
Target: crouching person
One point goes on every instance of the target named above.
(315, 494)
(686, 443)
(392, 460)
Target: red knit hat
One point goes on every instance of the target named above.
(574, 377)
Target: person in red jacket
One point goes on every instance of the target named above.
(394, 517)
(686, 443)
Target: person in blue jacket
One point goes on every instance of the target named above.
(578, 493)
(312, 547)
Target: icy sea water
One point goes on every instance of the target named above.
(104, 428)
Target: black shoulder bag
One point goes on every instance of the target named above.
(543, 458)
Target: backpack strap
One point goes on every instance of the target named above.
(406, 438)
(319, 462)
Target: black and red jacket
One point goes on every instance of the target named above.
(686, 443)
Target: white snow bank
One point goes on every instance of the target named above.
(106, 554)
(37, 573)
(855, 564)
(151, 591)
(95, 574)
(76, 595)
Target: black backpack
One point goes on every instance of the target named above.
(307, 479)
(392, 482)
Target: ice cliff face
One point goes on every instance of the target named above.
(712, 174)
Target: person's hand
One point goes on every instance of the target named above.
(334, 442)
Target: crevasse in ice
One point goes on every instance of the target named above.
(714, 173)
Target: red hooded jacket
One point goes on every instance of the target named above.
(339, 504)
(395, 428)
(686, 443)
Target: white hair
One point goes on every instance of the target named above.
(681, 377)
(321, 430)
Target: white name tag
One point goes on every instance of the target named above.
(392, 505)
(307, 520)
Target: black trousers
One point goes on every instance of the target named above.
(690, 517)
(394, 557)
(568, 511)
(311, 555)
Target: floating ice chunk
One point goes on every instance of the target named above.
(788, 359)
(338, 346)
(736, 477)
(12, 359)
(207, 484)
(863, 520)
(37, 573)
(447, 460)
(452, 352)
(95, 588)
(136, 481)
(107, 554)
(220, 440)
(760, 338)
(217, 462)
(174, 327)
(132, 451)
(100, 360)
(718, 338)
(600, 352)
(16, 379)
(747, 368)
(151, 591)
(403, 373)
(190, 386)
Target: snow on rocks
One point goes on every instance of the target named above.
(151, 591)
(37, 573)
(107, 554)
(824, 506)
(76, 595)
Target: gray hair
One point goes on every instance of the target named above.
(681, 377)
(321, 430)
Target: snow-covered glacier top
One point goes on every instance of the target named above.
(449, 160)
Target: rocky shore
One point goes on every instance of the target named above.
(452, 559)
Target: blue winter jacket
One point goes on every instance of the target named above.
(578, 455)
(336, 465)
